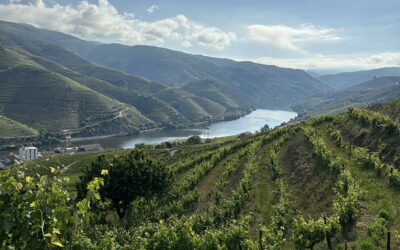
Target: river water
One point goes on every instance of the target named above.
(251, 122)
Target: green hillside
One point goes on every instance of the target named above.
(46, 100)
(155, 109)
(215, 92)
(332, 178)
(198, 108)
(257, 85)
(150, 103)
(10, 128)
(381, 89)
(76, 63)
(348, 79)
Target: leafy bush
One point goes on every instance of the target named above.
(376, 233)
(374, 120)
(128, 177)
(194, 139)
(366, 159)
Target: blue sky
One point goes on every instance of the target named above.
(309, 34)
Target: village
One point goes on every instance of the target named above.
(24, 153)
(30, 153)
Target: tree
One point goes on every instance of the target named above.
(126, 178)
(265, 129)
(195, 139)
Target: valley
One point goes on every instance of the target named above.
(204, 125)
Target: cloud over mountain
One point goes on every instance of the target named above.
(102, 21)
(287, 37)
(386, 59)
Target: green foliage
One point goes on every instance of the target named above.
(194, 139)
(275, 232)
(337, 138)
(376, 233)
(375, 120)
(366, 159)
(307, 233)
(126, 178)
(323, 152)
(36, 212)
(345, 204)
(265, 129)
(346, 190)
(179, 219)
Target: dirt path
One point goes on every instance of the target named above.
(208, 184)
(120, 114)
(68, 166)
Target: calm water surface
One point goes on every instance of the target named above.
(251, 122)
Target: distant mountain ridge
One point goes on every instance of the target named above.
(261, 85)
(347, 79)
(378, 90)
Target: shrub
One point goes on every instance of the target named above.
(195, 139)
(128, 177)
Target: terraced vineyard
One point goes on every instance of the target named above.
(326, 183)
(10, 128)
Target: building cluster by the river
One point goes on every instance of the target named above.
(29, 153)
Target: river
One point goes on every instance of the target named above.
(251, 122)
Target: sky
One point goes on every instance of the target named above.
(322, 35)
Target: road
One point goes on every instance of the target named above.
(120, 114)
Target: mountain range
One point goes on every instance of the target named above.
(347, 79)
(53, 82)
(377, 90)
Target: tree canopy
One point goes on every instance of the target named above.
(126, 178)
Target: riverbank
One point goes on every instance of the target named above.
(250, 122)
(145, 131)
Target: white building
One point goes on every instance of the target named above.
(28, 153)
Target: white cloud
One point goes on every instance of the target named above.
(186, 44)
(103, 22)
(212, 38)
(386, 59)
(286, 37)
(153, 8)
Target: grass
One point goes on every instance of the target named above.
(208, 184)
(376, 194)
(310, 184)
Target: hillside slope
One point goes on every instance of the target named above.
(348, 79)
(10, 128)
(46, 100)
(261, 86)
(381, 89)
(136, 93)
(327, 181)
